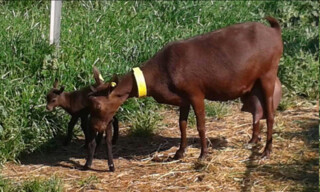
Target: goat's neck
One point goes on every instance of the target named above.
(125, 89)
(128, 87)
(65, 101)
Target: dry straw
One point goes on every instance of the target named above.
(144, 164)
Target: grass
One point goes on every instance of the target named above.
(216, 110)
(144, 122)
(52, 184)
(116, 36)
(87, 182)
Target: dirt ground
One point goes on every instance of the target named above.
(145, 164)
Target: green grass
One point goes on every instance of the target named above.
(52, 184)
(144, 121)
(88, 181)
(116, 36)
(216, 110)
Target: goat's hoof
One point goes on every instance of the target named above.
(112, 169)
(254, 140)
(203, 155)
(85, 168)
(178, 155)
(265, 154)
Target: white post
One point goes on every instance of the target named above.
(55, 20)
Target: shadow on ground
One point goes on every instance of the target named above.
(127, 147)
(303, 171)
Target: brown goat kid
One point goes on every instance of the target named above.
(221, 65)
(75, 103)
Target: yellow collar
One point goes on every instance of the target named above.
(141, 83)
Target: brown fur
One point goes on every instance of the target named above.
(254, 103)
(221, 65)
(75, 103)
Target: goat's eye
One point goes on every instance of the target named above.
(53, 100)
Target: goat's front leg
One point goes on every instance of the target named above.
(84, 127)
(198, 107)
(184, 112)
(109, 147)
(98, 140)
(91, 147)
(71, 125)
(115, 124)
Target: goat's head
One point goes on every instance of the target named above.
(102, 103)
(54, 96)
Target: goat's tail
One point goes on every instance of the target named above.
(274, 23)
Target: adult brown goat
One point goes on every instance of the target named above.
(221, 65)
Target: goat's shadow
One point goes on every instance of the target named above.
(127, 147)
(301, 172)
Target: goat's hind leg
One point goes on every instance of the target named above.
(257, 115)
(255, 132)
(267, 84)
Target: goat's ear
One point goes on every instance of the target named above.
(102, 89)
(56, 83)
(97, 76)
(61, 89)
(93, 89)
(58, 92)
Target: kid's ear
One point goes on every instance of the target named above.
(61, 89)
(101, 90)
(93, 89)
(58, 92)
(97, 76)
(56, 83)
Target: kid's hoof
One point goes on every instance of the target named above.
(111, 168)
(178, 155)
(85, 168)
